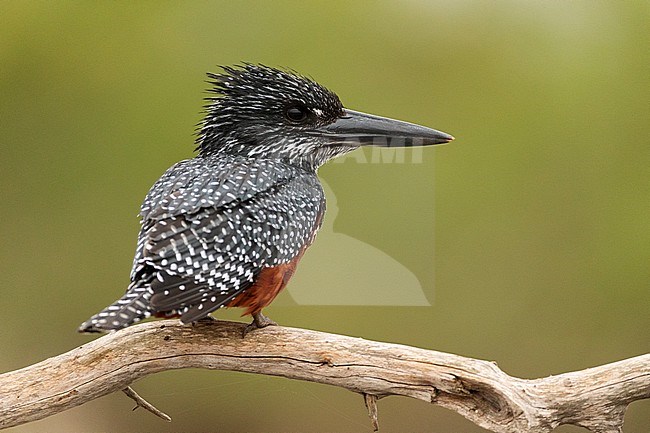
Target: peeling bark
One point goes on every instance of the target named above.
(595, 398)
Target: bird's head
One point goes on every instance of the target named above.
(263, 112)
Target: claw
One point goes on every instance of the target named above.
(259, 321)
(205, 320)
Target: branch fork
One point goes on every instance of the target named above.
(595, 398)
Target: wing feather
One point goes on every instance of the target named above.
(208, 233)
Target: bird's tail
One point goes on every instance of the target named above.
(129, 309)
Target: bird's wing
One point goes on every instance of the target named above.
(211, 182)
(204, 253)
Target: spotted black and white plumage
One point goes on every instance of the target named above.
(248, 201)
(228, 227)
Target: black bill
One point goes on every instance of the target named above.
(361, 129)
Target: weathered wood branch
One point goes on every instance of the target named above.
(595, 398)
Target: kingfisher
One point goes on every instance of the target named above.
(228, 227)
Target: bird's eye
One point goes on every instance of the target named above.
(296, 114)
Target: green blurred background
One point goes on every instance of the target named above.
(529, 234)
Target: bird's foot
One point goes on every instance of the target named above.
(259, 321)
(205, 320)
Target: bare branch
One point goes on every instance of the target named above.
(595, 398)
(144, 404)
(371, 405)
